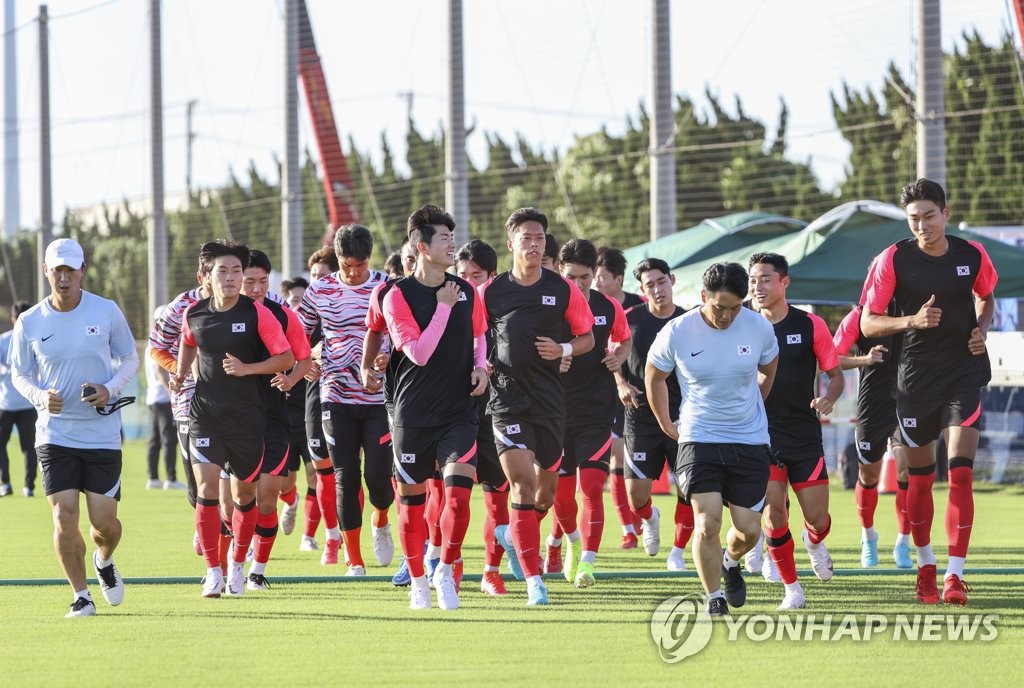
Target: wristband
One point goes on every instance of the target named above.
(566, 350)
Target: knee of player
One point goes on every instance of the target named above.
(776, 515)
(708, 525)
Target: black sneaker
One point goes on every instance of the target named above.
(83, 606)
(734, 587)
(717, 606)
(257, 581)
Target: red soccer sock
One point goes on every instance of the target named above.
(412, 532)
(526, 537)
(312, 511)
(353, 555)
(265, 534)
(592, 519)
(645, 511)
(290, 496)
(619, 499)
(780, 549)
(566, 509)
(455, 517)
(208, 528)
(435, 505)
(960, 507)
(867, 500)
(920, 506)
(902, 519)
(243, 524)
(684, 524)
(817, 536)
(496, 504)
(326, 496)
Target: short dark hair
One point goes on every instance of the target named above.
(259, 259)
(522, 216)
(289, 284)
(353, 241)
(420, 225)
(393, 265)
(776, 260)
(19, 307)
(923, 190)
(613, 260)
(729, 277)
(551, 247)
(648, 264)
(327, 254)
(481, 253)
(579, 251)
(218, 248)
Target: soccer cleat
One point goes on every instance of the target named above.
(28, 491)
(429, 565)
(793, 599)
(419, 593)
(491, 583)
(955, 589)
(901, 556)
(5, 490)
(769, 572)
(629, 541)
(355, 571)
(111, 584)
(652, 532)
(675, 561)
(536, 592)
(236, 581)
(717, 606)
(821, 562)
(457, 571)
(927, 592)
(504, 538)
(257, 581)
(753, 560)
(213, 584)
(572, 560)
(383, 545)
(330, 553)
(553, 559)
(151, 485)
(83, 606)
(308, 544)
(288, 517)
(444, 584)
(734, 587)
(402, 576)
(584, 577)
(869, 553)
(174, 485)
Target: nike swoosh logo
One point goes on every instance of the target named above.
(697, 353)
(46, 337)
(969, 525)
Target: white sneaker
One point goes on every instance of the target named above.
(652, 534)
(213, 584)
(288, 517)
(754, 559)
(236, 581)
(110, 581)
(419, 593)
(174, 485)
(308, 544)
(383, 545)
(257, 581)
(83, 606)
(354, 570)
(675, 560)
(794, 599)
(821, 562)
(447, 595)
(769, 572)
(154, 485)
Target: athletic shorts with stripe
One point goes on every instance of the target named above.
(315, 441)
(298, 451)
(86, 470)
(647, 454)
(587, 446)
(419, 450)
(871, 439)
(618, 421)
(541, 436)
(738, 472)
(277, 443)
(242, 457)
(921, 420)
(488, 467)
(801, 469)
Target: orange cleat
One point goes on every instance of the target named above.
(330, 553)
(629, 541)
(457, 570)
(491, 583)
(553, 560)
(954, 590)
(927, 592)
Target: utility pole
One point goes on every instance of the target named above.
(292, 262)
(190, 137)
(931, 101)
(157, 244)
(12, 176)
(45, 191)
(663, 163)
(456, 184)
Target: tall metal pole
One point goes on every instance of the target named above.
(931, 101)
(12, 178)
(190, 137)
(292, 262)
(45, 192)
(456, 183)
(663, 164)
(158, 227)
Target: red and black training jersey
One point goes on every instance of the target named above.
(226, 404)
(805, 345)
(876, 398)
(276, 401)
(375, 322)
(934, 361)
(553, 307)
(645, 326)
(437, 393)
(589, 385)
(629, 299)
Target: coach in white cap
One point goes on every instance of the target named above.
(62, 360)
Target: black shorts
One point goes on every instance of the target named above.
(588, 446)
(183, 443)
(543, 437)
(921, 421)
(871, 439)
(738, 472)
(419, 450)
(488, 468)
(277, 443)
(618, 421)
(801, 470)
(241, 457)
(647, 454)
(298, 450)
(315, 442)
(87, 470)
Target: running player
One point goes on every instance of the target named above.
(805, 346)
(232, 336)
(724, 357)
(530, 310)
(648, 448)
(62, 354)
(942, 289)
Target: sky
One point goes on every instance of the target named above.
(551, 70)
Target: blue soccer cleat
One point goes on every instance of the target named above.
(536, 593)
(504, 539)
(869, 552)
(901, 555)
(402, 576)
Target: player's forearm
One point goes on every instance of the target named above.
(164, 359)
(851, 362)
(299, 371)
(582, 344)
(985, 309)
(27, 388)
(621, 351)
(186, 357)
(272, 365)
(128, 366)
(875, 325)
(836, 385)
(420, 350)
(371, 347)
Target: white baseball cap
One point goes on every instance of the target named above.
(64, 252)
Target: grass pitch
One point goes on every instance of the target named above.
(362, 632)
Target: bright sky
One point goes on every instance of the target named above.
(551, 70)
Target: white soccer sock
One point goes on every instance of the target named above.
(491, 569)
(210, 571)
(445, 569)
(716, 593)
(868, 534)
(628, 530)
(532, 581)
(554, 542)
(902, 538)
(793, 587)
(727, 561)
(103, 563)
(677, 551)
(333, 533)
(257, 568)
(925, 556)
(433, 552)
(588, 557)
(955, 567)
(83, 593)
(574, 536)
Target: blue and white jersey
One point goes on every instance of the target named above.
(10, 398)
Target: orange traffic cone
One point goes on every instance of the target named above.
(887, 485)
(663, 485)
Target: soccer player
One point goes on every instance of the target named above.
(942, 289)
(805, 346)
(437, 327)
(237, 342)
(724, 357)
(590, 393)
(277, 437)
(162, 433)
(15, 411)
(62, 354)
(531, 309)
(611, 269)
(648, 448)
(549, 261)
(354, 418)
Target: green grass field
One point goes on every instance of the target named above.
(362, 632)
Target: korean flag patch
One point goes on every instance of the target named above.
(513, 429)
(743, 349)
(92, 330)
(547, 300)
(600, 320)
(462, 296)
(408, 458)
(963, 270)
(238, 327)
(793, 339)
(202, 442)
(866, 446)
(910, 422)
(639, 456)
